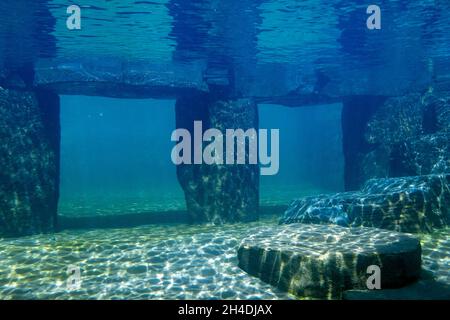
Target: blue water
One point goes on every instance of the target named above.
(305, 34)
(123, 213)
(115, 155)
(117, 152)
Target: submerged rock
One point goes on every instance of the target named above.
(438, 111)
(427, 154)
(395, 120)
(410, 204)
(219, 193)
(120, 79)
(391, 137)
(29, 161)
(324, 261)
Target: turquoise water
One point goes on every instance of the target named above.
(88, 180)
(114, 159)
(115, 155)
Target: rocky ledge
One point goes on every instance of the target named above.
(321, 261)
(409, 204)
(426, 154)
(400, 136)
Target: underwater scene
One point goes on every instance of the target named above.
(225, 150)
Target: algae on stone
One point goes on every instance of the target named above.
(29, 160)
(321, 261)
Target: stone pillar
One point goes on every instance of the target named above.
(29, 161)
(219, 193)
(356, 114)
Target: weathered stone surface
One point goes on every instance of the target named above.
(324, 261)
(426, 154)
(434, 282)
(386, 139)
(120, 79)
(219, 193)
(288, 85)
(344, 81)
(411, 204)
(29, 160)
(438, 108)
(395, 120)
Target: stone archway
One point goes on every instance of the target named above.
(30, 127)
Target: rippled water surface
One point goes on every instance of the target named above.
(304, 34)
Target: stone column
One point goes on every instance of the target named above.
(357, 112)
(29, 161)
(219, 193)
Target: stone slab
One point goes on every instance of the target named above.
(408, 204)
(321, 261)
